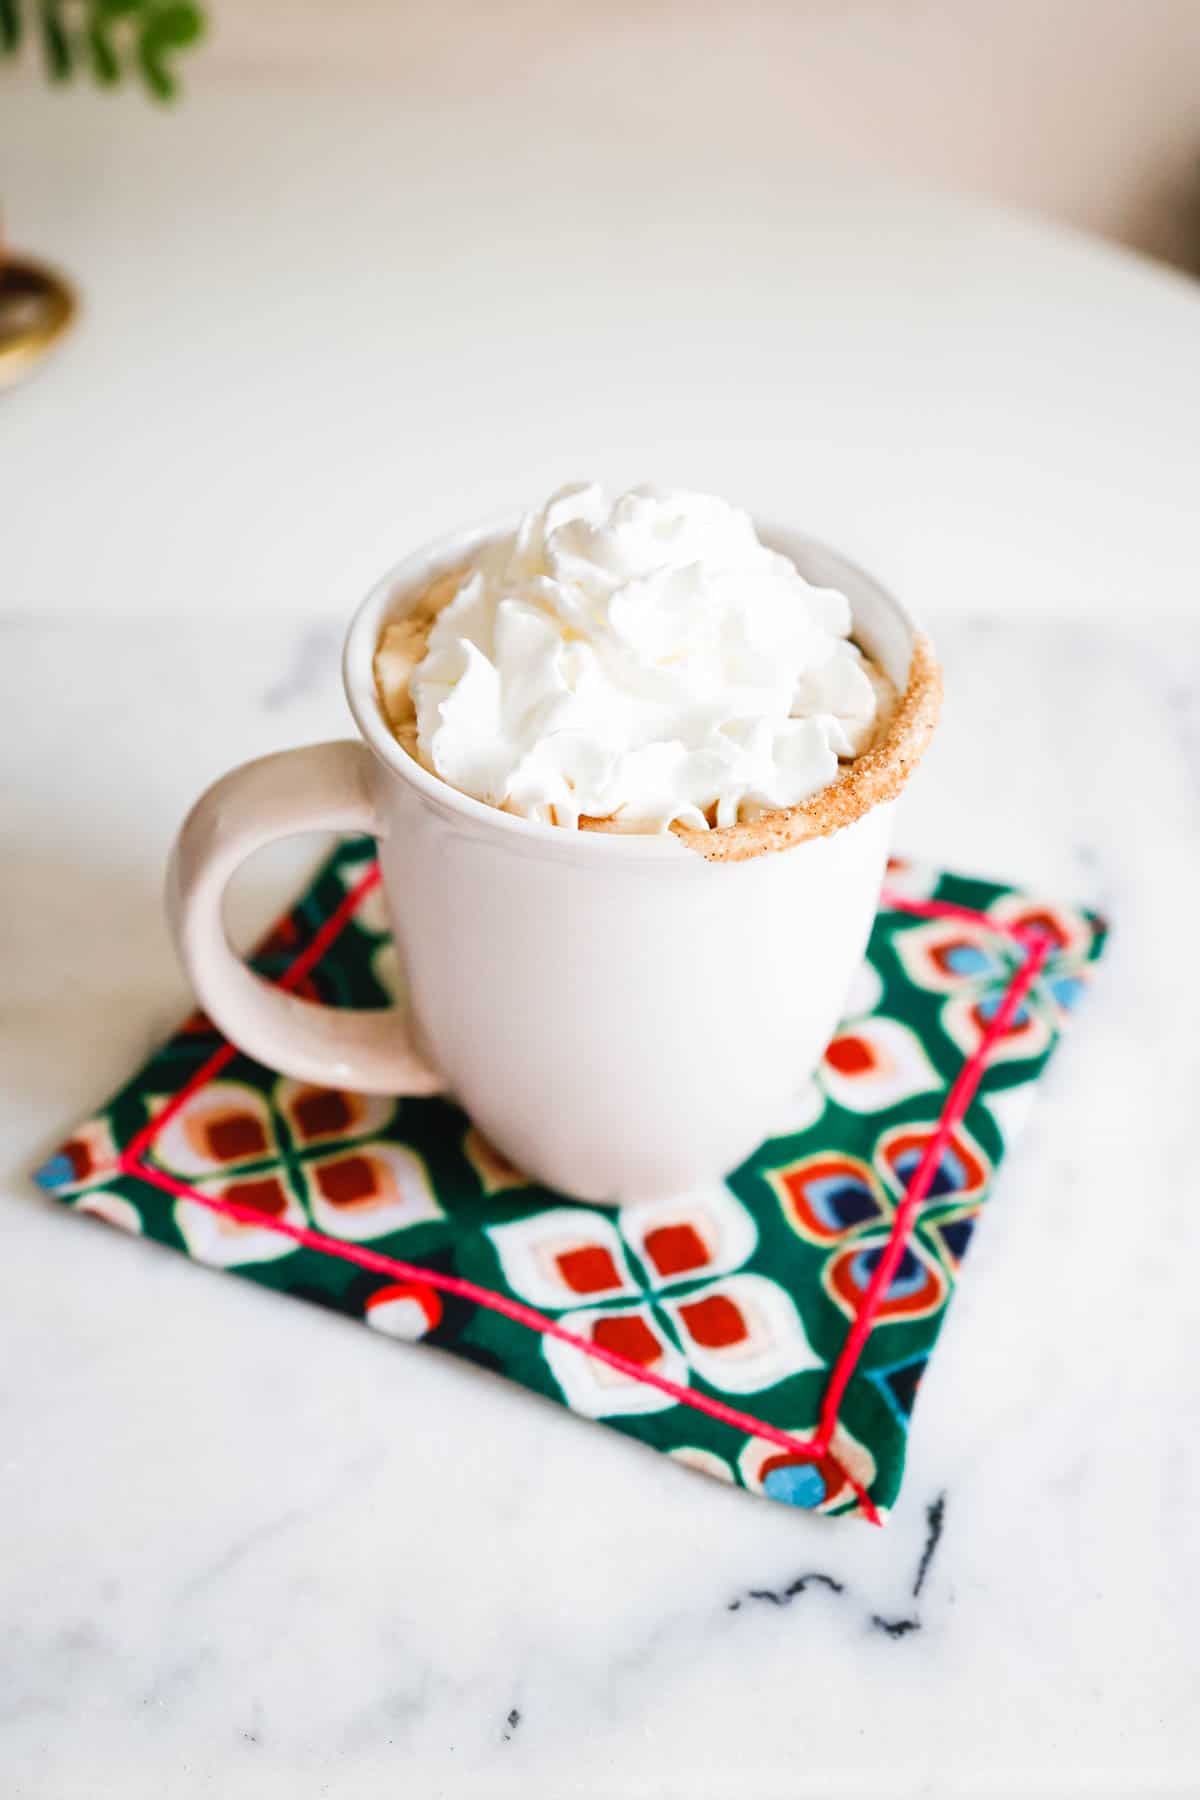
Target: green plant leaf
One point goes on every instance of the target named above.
(167, 30)
(56, 45)
(10, 26)
(106, 65)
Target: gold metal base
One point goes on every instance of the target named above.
(36, 307)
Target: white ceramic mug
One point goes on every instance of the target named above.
(621, 1017)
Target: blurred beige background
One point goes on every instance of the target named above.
(1087, 110)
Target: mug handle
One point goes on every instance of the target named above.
(323, 787)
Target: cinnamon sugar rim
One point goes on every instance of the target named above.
(871, 779)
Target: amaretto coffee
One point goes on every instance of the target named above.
(647, 664)
(579, 732)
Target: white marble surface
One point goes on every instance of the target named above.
(253, 1551)
(250, 1551)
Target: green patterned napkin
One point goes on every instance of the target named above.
(771, 1330)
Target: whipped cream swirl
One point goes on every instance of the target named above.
(645, 660)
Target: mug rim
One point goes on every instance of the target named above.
(412, 575)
